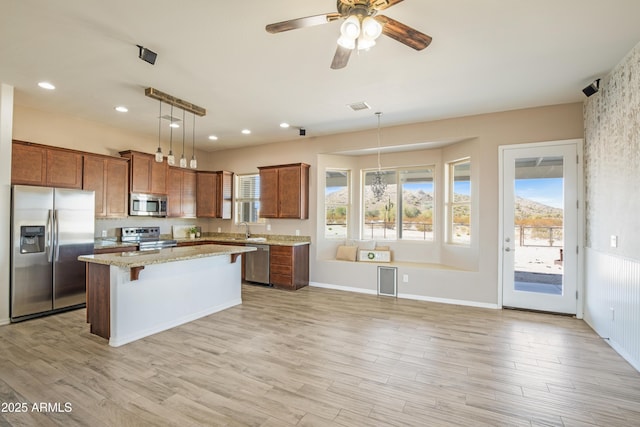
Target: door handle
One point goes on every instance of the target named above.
(55, 232)
(49, 236)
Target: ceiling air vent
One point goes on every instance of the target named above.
(359, 106)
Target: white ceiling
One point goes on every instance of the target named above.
(486, 56)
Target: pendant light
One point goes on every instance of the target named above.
(171, 159)
(159, 156)
(183, 161)
(378, 186)
(193, 164)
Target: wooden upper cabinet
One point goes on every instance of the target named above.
(145, 174)
(35, 164)
(214, 194)
(207, 194)
(284, 191)
(108, 178)
(181, 200)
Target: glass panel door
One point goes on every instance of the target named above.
(539, 260)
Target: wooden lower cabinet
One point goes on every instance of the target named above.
(289, 266)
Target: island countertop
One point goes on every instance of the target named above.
(161, 256)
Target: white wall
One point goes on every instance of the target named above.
(612, 162)
(6, 121)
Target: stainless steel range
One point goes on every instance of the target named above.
(148, 238)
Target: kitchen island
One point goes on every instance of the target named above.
(131, 295)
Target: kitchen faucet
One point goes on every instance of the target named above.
(247, 233)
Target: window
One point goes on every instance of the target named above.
(337, 199)
(459, 202)
(248, 198)
(404, 210)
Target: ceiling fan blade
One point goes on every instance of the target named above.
(308, 21)
(383, 4)
(403, 33)
(341, 58)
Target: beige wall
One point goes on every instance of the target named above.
(476, 279)
(481, 136)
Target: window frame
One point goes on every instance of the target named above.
(399, 204)
(451, 203)
(238, 200)
(348, 205)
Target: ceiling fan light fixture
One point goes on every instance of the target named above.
(371, 28)
(350, 28)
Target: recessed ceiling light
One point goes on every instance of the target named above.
(213, 137)
(246, 131)
(121, 109)
(46, 85)
(284, 125)
(174, 125)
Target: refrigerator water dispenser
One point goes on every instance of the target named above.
(31, 239)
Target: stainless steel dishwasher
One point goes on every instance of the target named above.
(256, 267)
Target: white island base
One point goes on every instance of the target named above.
(168, 295)
(126, 303)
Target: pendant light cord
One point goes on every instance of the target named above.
(379, 165)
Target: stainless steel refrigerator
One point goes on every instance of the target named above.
(50, 228)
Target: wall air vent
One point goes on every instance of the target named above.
(359, 106)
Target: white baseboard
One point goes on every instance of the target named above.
(407, 296)
(344, 288)
(450, 301)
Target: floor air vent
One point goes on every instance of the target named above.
(388, 281)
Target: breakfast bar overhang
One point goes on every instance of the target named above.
(131, 295)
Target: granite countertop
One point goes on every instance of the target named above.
(161, 256)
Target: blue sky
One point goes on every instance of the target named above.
(547, 191)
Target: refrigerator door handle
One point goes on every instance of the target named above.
(56, 227)
(49, 236)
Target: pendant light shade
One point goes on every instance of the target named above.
(159, 156)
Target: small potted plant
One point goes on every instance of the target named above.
(192, 232)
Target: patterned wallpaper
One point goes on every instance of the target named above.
(612, 160)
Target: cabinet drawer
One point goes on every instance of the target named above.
(280, 259)
(281, 279)
(281, 269)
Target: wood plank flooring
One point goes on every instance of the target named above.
(318, 357)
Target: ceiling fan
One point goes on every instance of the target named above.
(361, 27)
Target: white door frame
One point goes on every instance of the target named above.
(580, 216)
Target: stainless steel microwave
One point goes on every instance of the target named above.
(147, 205)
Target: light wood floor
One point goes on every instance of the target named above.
(319, 357)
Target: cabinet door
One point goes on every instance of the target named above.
(269, 193)
(116, 188)
(64, 169)
(174, 198)
(188, 194)
(159, 175)
(289, 192)
(28, 164)
(93, 178)
(140, 169)
(207, 195)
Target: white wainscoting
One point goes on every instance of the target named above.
(612, 302)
